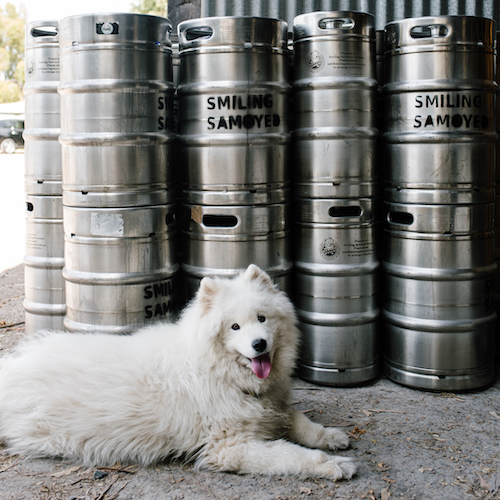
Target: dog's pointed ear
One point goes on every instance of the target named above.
(207, 292)
(254, 273)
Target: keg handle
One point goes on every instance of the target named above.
(198, 33)
(214, 220)
(430, 31)
(336, 23)
(345, 211)
(401, 218)
(44, 30)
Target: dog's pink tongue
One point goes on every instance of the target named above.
(261, 366)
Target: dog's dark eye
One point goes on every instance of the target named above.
(235, 326)
(261, 318)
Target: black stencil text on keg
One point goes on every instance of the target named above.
(243, 121)
(159, 309)
(452, 121)
(242, 103)
(165, 121)
(250, 101)
(162, 307)
(460, 102)
(163, 289)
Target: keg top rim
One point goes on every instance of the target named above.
(440, 31)
(113, 14)
(315, 24)
(248, 32)
(84, 29)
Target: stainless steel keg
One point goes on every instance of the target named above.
(116, 107)
(42, 151)
(44, 256)
(233, 97)
(120, 267)
(44, 303)
(497, 213)
(222, 241)
(439, 99)
(439, 317)
(336, 290)
(335, 88)
(439, 189)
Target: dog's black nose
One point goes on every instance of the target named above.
(259, 345)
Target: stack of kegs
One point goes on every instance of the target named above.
(439, 202)
(233, 104)
(44, 302)
(119, 220)
(497, 212)
(335, 138)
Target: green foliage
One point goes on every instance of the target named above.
(151, 7)
(10, 91)
(12, 24)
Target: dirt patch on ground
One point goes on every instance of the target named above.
(408, 444)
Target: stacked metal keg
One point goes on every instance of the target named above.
(119, 222)
(497, 209)
(439, 202)
(44, 302)
(335, 137)
(233, 105)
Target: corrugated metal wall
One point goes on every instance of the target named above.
(384, 11)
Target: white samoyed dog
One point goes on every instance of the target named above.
(212, 388)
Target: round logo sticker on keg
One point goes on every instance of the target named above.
(329, 249)
(107, 28)
(30, 66)
(316, 61)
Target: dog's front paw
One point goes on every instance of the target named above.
(335, 439)
(338, 468)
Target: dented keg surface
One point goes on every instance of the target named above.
(335, 87)
(116, 110)
(120, 267)
(42, 151)
(222, 241)
(336, 290)
(44, 302)
(234, 98)
(439, 100)
(439, 317)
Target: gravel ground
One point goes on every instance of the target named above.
(409, 444)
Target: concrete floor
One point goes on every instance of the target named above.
(409, 444)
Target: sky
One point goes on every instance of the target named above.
(54, 10)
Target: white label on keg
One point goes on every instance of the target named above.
(106, 224)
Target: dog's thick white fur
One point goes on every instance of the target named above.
(212, 388)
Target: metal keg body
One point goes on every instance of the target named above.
(439, 146)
